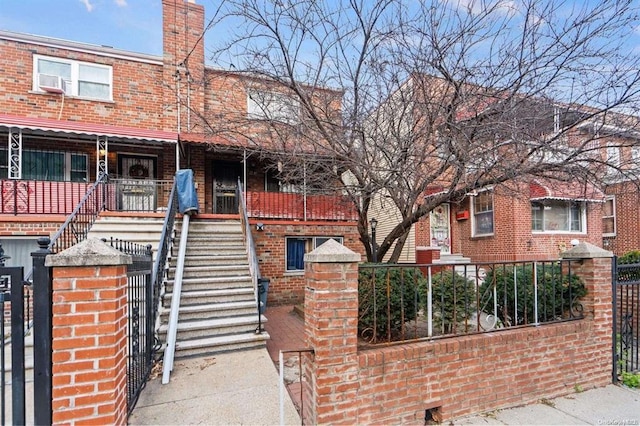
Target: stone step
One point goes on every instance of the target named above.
(204, 297)
(213, 310)
(210, 282)
(216, 259)
(199, 329)
(201, 271)
(219, 344)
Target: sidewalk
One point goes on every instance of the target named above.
(610, 405)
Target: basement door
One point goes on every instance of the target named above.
(440, 220)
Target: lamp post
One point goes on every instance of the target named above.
(374, 246)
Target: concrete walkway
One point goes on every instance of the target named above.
(610, 405)
(238, 388)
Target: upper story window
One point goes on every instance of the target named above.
(609, 217)
(557, 216)
(273, 106)
(73, 78)
(613, 158)
(482, 206)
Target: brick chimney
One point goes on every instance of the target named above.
(183, 56)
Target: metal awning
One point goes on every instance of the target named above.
(47, 125)
(547, 189)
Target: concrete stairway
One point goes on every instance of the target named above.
(136, 229)
(218, 309)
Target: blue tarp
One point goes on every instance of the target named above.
(187, 195)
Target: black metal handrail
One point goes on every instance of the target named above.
(254, 266)
(164, 246)
(77, 225)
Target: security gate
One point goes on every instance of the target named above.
(626, 319)
(12, 296)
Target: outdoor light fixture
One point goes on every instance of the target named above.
(259, 226)
(374, 247)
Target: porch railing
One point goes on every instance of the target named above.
(411, 302)
(40, 197)
(299, 206)
(77, 225)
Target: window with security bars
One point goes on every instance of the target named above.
(49, 165)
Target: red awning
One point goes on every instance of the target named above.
(83, 128)
(571, 191)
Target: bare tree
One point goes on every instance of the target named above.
(424, 102)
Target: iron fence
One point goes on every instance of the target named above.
(626, 319)
(410, 302)
(141, 338)
(299, 206)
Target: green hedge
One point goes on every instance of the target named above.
(393, 302)
(557, 293)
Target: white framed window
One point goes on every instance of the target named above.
(558, 216)
(272, 106)
(609, 217)
(613, 158)
(482, 213)
(296, 247)
(74, 78)
(635, 154)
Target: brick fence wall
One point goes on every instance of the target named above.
(444, 378)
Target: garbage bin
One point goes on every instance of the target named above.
(263, 288)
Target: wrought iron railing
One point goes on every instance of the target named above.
(40, 196)
(254, 265)
(626, 319)
(300, 206)
(78, 223)
(140, 328)
(410, 302)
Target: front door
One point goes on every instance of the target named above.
(136, 187)
(440, 228)
(225, 184)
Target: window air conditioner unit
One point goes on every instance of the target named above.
(51, 83)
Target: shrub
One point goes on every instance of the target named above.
(632, 256)
(453, 300)
(557, 293)
(383, 312)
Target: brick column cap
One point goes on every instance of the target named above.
(585, 250)
(332, 251)
(90, 252)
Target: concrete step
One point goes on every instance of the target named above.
(213, 260)
(214, 345)
(212, 283)
(199, 329)
(211, 226)
(201, 271)
(213, 310)
(211, 250)
(204, 297)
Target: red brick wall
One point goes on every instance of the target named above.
(30, 225)
(627, 205)
(286, 287)
(89, 353)
(137, 89)
(512, 239)
(452, 377)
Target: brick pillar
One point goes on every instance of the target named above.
(594, 268)
(331, 330)
(89, 348)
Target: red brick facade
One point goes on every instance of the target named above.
(288, 287)
(627, 218)
(513, 238)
